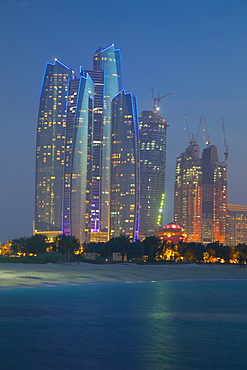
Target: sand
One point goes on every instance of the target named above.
(24, 275)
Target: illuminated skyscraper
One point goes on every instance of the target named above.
(188, 192)
(97, 140)
(73, 178)
(81, 161)
(214, 196)
(153, 134)
(200, 202)
(124, 197)
(69, 139)
(108, 60)
(50, 148)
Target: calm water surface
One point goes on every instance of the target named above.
(173, 325)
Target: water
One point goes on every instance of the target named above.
(174, 325)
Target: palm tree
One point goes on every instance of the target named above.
(150, 244)
(68, 244)
(123, 241)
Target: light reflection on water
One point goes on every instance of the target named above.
(172, 325)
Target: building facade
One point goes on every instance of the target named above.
(81, 164)
(72, 104)
(153, 136)
(97, 143)
(50, 148)
(236, 224)
(188, 192)
(214, 197)
(200, 194)
(125, 170)
(107, 60)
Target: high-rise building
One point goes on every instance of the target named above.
(188, 192)
(78, 158)
(97, 142)
(200, 194)
(108, 60)
(81, 163)
(50, 148)
(236, 224)
(125, 175)
(69, 137)
(214, 197)
(73, 177)
(153, 135)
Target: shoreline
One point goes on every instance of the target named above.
(33, 275)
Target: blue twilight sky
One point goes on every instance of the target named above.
(197, 48)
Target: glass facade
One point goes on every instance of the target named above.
(50, 148)
(98, 79)
(73, 165)
(82, 161)
(69, 139)
(108, 60)
(153, 135)
(125, 171)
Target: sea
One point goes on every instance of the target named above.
(173, 325)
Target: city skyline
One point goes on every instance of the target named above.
(197, 55)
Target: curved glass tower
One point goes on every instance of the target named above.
(69, 138)
(81, 161)
(73, 166)
(125, 178)
(108, 60)
(50, 148)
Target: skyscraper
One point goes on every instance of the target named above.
(153, 135)
(214, 196)
(108, 60)
(188, 192)
(82, 161)
(124, 195)
(50, 148)
(200, 196)
(72, 103)
(97, 142)
(73, 177)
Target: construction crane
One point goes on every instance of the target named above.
(225, 143)
(207, 142)
(156, 101)
(198, 131)
(192, 139)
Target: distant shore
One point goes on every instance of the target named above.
(24, 275)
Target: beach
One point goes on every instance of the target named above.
(23, 275)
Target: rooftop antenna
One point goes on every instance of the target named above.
(156, 101)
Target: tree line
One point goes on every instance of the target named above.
(150, 249)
